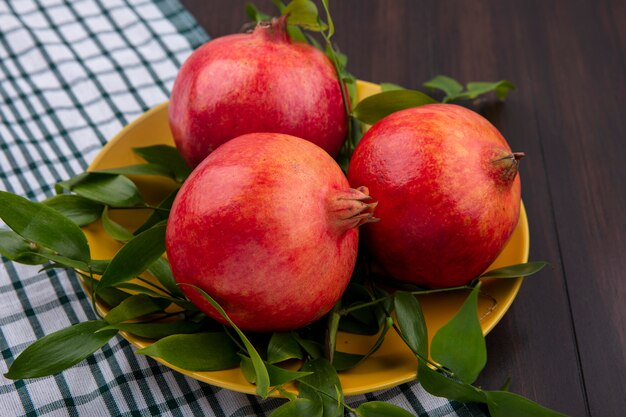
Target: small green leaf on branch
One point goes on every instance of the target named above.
(507, 404)
(453, 90)
(304, 14)
(114, 229)
(60, 350)
(299, 407)
(135, 306)
(195, 352)
(322, 384)
(43, 225)
(134, 257)
(515, 271)
(411, 322)
(459, 345)
(255, 14)
(166, 156)
(381, 409)
(110, 189)
(380, 105)
(283, 346)
(76, 208)
(278, 375)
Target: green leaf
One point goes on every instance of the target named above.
(142, 289)
(303, 13)
(279, 5)
(159, 214)
(140, 169)
(109, 189)
(380, 105)
(283, 346)
(98, 266)
(475, 89)
(65, 261)
(440, 385)
(331, 331)
(363, 320)
(390, 87)
(60, 350)
(460, 345)
(296, 34)
(195, 352)
(312, 348)
(507, 404)
(135, 306)
(514, 271)
(111, 296)
(277, 374)
(262, 377)
(76, 208)
(255, 14)
(299, 407)
(166, 156)
(247, 368)
(42, 225)
(15, 248)
(159, 330)
(323, 378)
(135, 257)
(344, 361)
(381, 409)
(449, 86)
(411, 322)
(114, 229)
(163, 273)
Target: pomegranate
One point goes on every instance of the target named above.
(255, 82)
(266, 225)
(448, 189)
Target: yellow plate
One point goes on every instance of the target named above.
(393, 363)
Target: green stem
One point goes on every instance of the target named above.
(142, 207)
(437, 290)
(344, 96)
(353, 410)
(163, 290)
(349, 310)
(420, 357)
(93, 296)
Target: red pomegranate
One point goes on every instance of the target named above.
(266, 225)
(255, 82)
(448, 189)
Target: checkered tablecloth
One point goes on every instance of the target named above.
(72, 74)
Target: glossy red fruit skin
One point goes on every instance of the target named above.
(446, 209)
(255, 82)
(260, 226)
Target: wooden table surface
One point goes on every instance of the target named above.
(563, 341)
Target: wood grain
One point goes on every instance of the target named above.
(564, 340)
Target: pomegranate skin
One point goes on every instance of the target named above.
(266, 226)
(448, 192)
(255, 82)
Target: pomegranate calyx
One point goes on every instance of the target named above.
(508, 166)
(275, 29)
(351, 208)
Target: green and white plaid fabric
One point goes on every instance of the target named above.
(72, 74)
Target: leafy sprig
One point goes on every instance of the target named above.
(157, 309)
(139, 296)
